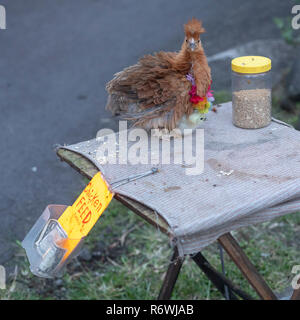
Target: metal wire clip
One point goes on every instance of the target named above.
(121, 182)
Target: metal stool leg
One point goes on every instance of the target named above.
(171, 276)
(238, 256)
(226, 289)
(219, 280)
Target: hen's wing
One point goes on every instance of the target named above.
(151, 93)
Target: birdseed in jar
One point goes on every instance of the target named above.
(252, 108)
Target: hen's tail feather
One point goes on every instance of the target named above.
(151, 93)
(154, 111)
(118, 104)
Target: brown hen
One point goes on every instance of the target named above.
(154, 93)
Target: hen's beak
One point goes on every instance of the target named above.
(192, 44)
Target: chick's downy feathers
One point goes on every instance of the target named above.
(154, 92)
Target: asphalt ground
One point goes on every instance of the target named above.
(55, 59)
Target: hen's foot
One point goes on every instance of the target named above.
(166, 134)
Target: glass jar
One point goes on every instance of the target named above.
(251, 92)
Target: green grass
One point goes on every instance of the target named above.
(289, 117)
(135, 269)
(222, 96)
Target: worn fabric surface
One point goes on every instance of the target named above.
(249, 176)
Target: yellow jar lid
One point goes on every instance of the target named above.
(251, 64)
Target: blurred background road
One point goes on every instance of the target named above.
(55, 59)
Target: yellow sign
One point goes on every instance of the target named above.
(80, 218)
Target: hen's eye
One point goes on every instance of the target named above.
(198, 41)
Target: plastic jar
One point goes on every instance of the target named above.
(251, 92)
